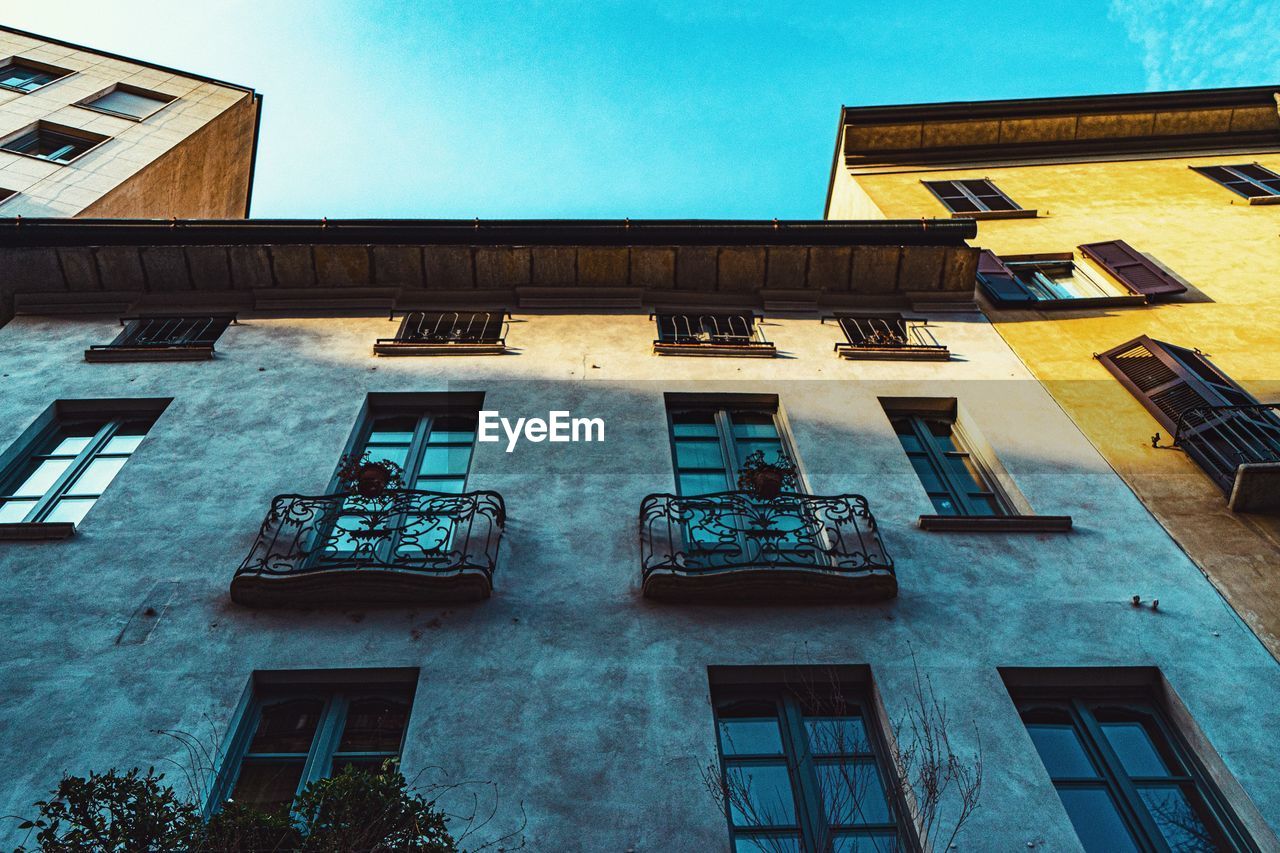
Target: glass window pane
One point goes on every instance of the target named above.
(447, 485)
(760, 795)
(1061, 751)
(392, 453)
(71, 445)
(750, 736)
(374, 725)
(928, 475)
(1097, 822)
(71, 509)
(123, 444)
(445, 459)
(287, 726)
(452, 428)
(852, 793)
(772, 448)
(269, 785)
(754, 425)
(944, 505)
(128, 103)
(866, 842)
(39, 480)
(13, 512)
(1182, 828)
(837, 735)
(699, 424)
(699, 454)
(767, 844)
(1134, 747)
(702, 484)
(97, 476)
(964, 468)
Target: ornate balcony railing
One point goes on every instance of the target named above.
(711, 334)
(732, 546)
(404, 545)
(1239, 448)
(888, 337)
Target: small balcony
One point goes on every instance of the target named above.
(889, 337)
(448, 333)
(1239, 448)
(401, 547)
(733, 547)
(733, 335)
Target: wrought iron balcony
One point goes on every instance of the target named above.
(403, 546)
(447, 333)
(1239, 448)
(735, 547)
(888, 337)
(184, 338)
(711, 334)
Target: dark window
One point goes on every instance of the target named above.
(68, 467)
(128, 101)
(153, 334)
(891, 334)
(802, 770)
(6, 194)
(25, 76)
(442, 332)
(711, 442)
(971, 196)
(1061, 281)
(54, 143)
(1125, 779)
(726, 334)
(1218, 423)
(291, 738)
(1247, 179)
(954, 480)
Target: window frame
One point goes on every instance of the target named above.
(722, 409)
(161, 98)
(336, 691)
(58, 73)
(1081, 707)
(983, 210)
(92, 141)
(1122, 295)
(801, 763)
(1267, 195)
(13, 474)
(936, 455)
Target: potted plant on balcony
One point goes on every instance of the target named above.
(767, 480)
(368, 478)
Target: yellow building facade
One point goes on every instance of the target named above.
(1197, 270)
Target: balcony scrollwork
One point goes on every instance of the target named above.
(733, 546)
(398, 546)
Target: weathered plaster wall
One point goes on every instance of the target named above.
(126, 176)
(580, 698)
(1226, 251)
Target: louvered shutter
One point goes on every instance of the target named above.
(1132, 269)
(1158, 380)
(998, 281)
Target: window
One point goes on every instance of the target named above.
(1254, 182)
(1118, 275)
(954, 480)
(127, 101)
(1125, 779)
(165, 338)
(710, 442)
(447, 333)
(71, 462)
(24, 75)
(979, 199)
(711, 334)
(52, 142)
(292, 736)
(5, 194)
(431, 444)
(1229, 434)
(888, 336)
(802, 771)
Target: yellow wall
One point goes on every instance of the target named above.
(1225, 250)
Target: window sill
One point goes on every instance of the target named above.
(996, 523)
(106, 355)
(34, 531)
(997, 214)
(1264, 199)
(730, 350)
(919, 353)
(1127, 301)
(395, 348)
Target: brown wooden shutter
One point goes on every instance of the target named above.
(1159, 381)
(998, 280)
(1132, 269)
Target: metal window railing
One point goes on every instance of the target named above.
(710, 330)
(450, 328)
(168, 332)
(736, 530)
(1222, 438)
(406, 530)
(887, 333)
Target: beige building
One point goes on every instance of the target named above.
(90, 134)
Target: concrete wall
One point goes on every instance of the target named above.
(1225, 250)
(206, 173)
(579, 697)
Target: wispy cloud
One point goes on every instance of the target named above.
(1189, 44)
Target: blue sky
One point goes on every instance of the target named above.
(639, 109)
